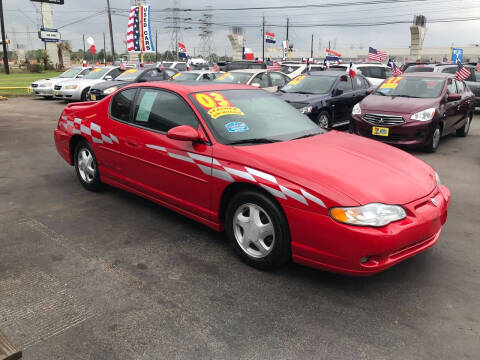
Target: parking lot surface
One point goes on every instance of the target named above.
(112, 276)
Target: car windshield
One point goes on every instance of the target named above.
(252, 117)
(129, 75)
(288, 69)
(97, 73)
(305, 84)
(70, 73)
(234, 77)
(182, 76)
(167, 64)
(412, 87)
(419, 69)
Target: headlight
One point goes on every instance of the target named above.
(357, 110)
(110, 90)
(306, 110)
(70, 87)
(44, 85)
(374, 214)
(437, 179)
(424, 115)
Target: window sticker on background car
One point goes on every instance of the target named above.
(131, 71)
(145, 106)
(236, 126)
(176, 75)
(217, 105)
(391, 83)
(96, 70)
(223, 76)
(297, 80)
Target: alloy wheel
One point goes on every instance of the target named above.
(86, 165)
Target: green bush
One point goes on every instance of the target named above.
(36, 68)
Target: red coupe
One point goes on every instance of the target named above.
(238, 159)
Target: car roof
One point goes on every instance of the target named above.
(251, 71)
(328, 73)
(199, 71)
(428, 74)
(187, 87)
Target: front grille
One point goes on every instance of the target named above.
(390, 137)
(387, 120)
(34, 85)
(58, 87)
(297, 105)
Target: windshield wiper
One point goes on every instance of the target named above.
(307, 135)
(304, 92)
(254, 141)
(379, 93)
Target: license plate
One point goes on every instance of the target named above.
(379, 131)
(93, 97)
(55, 92)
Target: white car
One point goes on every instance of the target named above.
(196, 75)
(374, 72)
(77, 89)
(293, 68)
(270, 81)
(45, 87)
(177, 65)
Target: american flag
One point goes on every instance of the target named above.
(273, 65)
(477, 68)
(396, 70)
(376, 55)
(462, 72)
(138, 30)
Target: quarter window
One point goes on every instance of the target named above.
(162, 110)
(122, 104)
(359, 83)
(345, 86)
(277, 79)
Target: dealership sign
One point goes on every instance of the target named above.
(457, 55)
(56, 2)
(49, 35)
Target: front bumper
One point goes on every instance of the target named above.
(40, 91)
(74, 94)
(320, 242)
(412, 133)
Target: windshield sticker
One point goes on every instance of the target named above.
(217, 105)
(391, 83)
(143, 113)
(130, 71)
(96, 70)
(176, 75)
(236, 127)
(223, 76)
(297, 80)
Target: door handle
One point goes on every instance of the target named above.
(131, 142)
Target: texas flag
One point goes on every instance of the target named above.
(270, 37)
(91, 42)
(351, 71)
(182, 50)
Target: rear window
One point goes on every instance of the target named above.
(376, 72)
(419, 69)
(288, 69)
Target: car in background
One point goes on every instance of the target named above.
(326, 97)
(415, 110)
(270, 81)
(374, 72)
(176, 65)
(420, 68)
(473, 81)
(129, 76)
(405, 66)
(294, 68)
(196, 75)
(241, 64)
(243, 161)
(78, 89)
(45, 87)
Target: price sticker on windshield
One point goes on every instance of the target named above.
(131, 71)
(176, 75)
(223, 76)
(391, 82)
(217, 105)
(297, 80)
(96, 70)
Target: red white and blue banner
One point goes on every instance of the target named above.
(331, 55)
(182, 51)
(270, 38)
(139, 34)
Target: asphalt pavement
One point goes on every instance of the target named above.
(112, 276)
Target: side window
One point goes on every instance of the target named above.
(121, 105)
(477, 75)
(345, 86)
(153, 75)
(388, 73)
(114, 73)
(358, 83)
(451, 88)
(261, 79)
(162, 110)
(181, 67)
(277, 79)
(460, 86)
(471, 77)
(450, 70)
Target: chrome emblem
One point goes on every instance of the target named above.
(433, 201)
(380, 121)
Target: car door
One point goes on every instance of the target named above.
(451, 114)
(342, 100)
(464, 107)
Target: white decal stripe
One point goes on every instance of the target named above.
(262, 175)
(222, 175)
(95, 127)
(313, 198)
(64, 117)
(215, 162)
(205, 169)
(114, 138)
(70, 123)
(106, 139)
(95, 140)
(78, 120)
(85, 130)
(155, 147)
(76, 131)
(239, 173)
(273, 191)
(65, 125)
(180, 157)
(293, 195)
(201, 158)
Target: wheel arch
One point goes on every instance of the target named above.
(74, 140)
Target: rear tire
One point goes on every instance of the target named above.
(86, 166)
(434, 141)
(258, 230)
(323, 120)
(463, 131)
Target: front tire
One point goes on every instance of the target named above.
(323, 120)
(463, 131)
(258, 230)
(86, 166)
(83, 97)
(434, 141)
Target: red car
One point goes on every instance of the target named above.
(415, 110)
(238, 159)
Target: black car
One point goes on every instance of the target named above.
(241, 64)
(130, 76)
(327, 97)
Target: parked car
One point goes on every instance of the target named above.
(374, 72)
(421, 68)
(270, 81)
(241, 64)
(177, 65)
(239, 159)
(129, 76)
(77, 89)
(196, 75)
(327, 97)
(294, 68)
(405, 66)
(45, 87)
(415, 110)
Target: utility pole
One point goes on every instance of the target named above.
(111, 30)
(329, 45)
(104, 51)
(156, 45)
(83, 37)
(311, 48)
(4, 40)
(263, 38)
(288, 24)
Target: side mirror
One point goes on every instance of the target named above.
(80, 76)
(109, 77)
(454, 97)
(183, 133)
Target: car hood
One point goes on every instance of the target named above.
(53, 80)
(364, 170)
(302, 98)
(397, 104)
(108, 84)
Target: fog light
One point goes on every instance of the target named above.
(364, 259)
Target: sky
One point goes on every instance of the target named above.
(77, 17)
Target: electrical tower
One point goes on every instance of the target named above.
(177, 25)
(206, 39)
